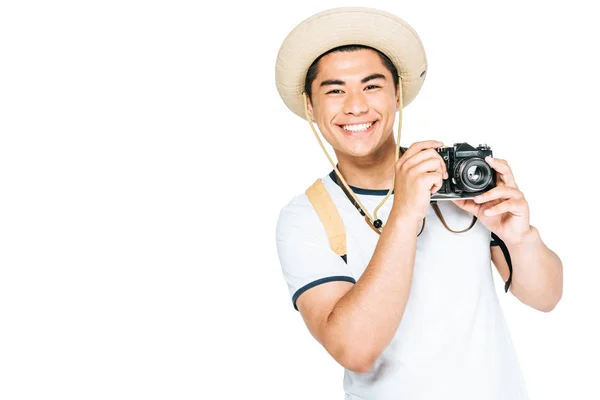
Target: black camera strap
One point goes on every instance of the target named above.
(438, 212)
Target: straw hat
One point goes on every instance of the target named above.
(345, 26)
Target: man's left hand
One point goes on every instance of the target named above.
(503, 209)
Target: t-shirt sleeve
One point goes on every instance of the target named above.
(303, 248)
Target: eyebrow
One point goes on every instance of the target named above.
(371, 77)
(340, 82)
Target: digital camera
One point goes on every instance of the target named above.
(469, 174)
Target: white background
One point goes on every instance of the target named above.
(145, 155)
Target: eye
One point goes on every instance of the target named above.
(372, 87)
(334, 91)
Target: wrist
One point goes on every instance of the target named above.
(530, 237)
(405, 218)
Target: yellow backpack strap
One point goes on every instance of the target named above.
(330, 217)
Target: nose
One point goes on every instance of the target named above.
(355, 103)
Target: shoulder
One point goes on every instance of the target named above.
(297, 216)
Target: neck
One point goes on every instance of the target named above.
(375, 171)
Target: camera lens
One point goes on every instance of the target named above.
(473, 174)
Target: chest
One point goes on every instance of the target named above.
(442, 257)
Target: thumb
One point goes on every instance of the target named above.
(467, 205)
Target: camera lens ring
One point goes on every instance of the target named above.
(473, 174)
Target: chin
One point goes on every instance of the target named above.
(359, 149)
(360, 146)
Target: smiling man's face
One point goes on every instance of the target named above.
(353, 101)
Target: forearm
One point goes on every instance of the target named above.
(537, 272)
(368, 315)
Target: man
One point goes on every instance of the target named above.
(409, 311)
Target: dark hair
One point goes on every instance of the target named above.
(312, 71)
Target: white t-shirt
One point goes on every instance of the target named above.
(453, 341)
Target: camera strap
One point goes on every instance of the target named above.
(438, 212)
(329, 216)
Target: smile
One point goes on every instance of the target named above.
(358, 128)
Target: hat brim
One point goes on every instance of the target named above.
(345, 26)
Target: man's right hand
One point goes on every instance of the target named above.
(420, 172)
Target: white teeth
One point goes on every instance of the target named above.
(358, 127)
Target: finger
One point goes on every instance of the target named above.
(514, 206)
(499, 192)
(435, 181)
(503, 169)
(419, 157)
(417, 147)
(427, 165)
(489, 205)
(467, 205)
(425, 155)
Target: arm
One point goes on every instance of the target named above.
(355, 323)
(537, 271)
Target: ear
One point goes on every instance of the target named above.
(309, 107)
(398, 97)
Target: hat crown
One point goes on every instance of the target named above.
(342, 26)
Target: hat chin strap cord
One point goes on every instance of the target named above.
(375, 223)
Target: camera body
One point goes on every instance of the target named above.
(469, 174)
